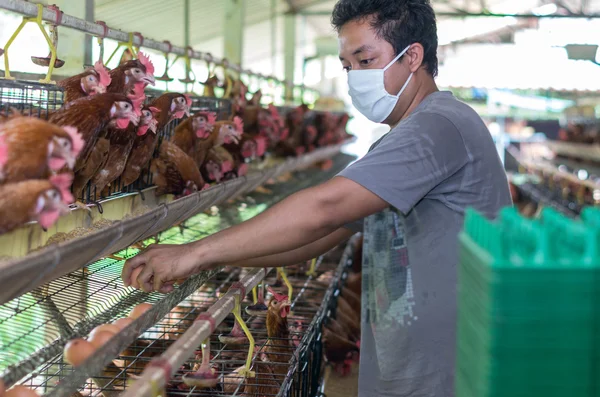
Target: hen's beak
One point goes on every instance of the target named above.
(153, 125)
(285, 308)
(70, 161)
(63, 208)
(135, 119)
(149, 79)
(100, 89)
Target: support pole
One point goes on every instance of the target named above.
(186, 31)
(273, 37)
(234, 30)
(89, 40)
(71, 48)
(290, 54)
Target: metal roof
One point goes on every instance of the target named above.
(163, 20)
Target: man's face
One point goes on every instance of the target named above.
(360, 48)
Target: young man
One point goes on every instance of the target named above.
(411, 190)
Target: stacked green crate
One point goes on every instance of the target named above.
(591, 217)
(526, 299)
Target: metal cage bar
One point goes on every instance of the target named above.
(30, 9)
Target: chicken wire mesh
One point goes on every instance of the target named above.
(30, 98)
(35, 327)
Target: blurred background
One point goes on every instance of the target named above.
(526, 66)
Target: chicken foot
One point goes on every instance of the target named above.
(205, 377)
(259, 308)
(237, 313)
(312, 272)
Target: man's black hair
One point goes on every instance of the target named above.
(399, 22)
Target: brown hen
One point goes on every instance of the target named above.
(93, 81)
(165, 108)
(37, 148)
(43, 201)
(174, 172)
(91, 116)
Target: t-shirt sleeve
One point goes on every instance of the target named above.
(411, 160)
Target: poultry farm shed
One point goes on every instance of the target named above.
(121, 161)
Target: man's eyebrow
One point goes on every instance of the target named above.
(360, 49)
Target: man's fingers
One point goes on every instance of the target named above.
(166, 288)
(144, 279)
(133, 263)
(129, 267)
(157, 282)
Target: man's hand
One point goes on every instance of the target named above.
(161, 266)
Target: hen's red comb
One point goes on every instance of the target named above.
(145, 60)
(154, 110)
(211, 118)
(188, 99)
(239, 124)
(76, 139)
(278, 297)
(63, 183)
(103, 76)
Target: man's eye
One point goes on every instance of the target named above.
(366, 62)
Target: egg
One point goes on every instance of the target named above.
(113, 329)
(134, 275)
(139, 310)
(123, 323)
(77, 351)
(98, 339)
(21, 391)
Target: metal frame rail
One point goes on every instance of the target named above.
(30, 9)
(154, 377)
(541, 194)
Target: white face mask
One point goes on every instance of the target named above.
(368, 93)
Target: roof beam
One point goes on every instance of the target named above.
(481, 14)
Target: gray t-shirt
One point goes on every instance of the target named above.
(434, 164)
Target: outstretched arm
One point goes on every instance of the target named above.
(297, 221)
(299, 255)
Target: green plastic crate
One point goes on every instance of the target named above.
(529, 306)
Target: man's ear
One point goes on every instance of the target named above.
(415, 55)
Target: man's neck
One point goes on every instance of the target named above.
(426, 87)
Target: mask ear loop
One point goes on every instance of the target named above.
(409, 77)
(396, 59)
(404, 86)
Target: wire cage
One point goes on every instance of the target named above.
(35, 327)
(30, 98)
(295, 370)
